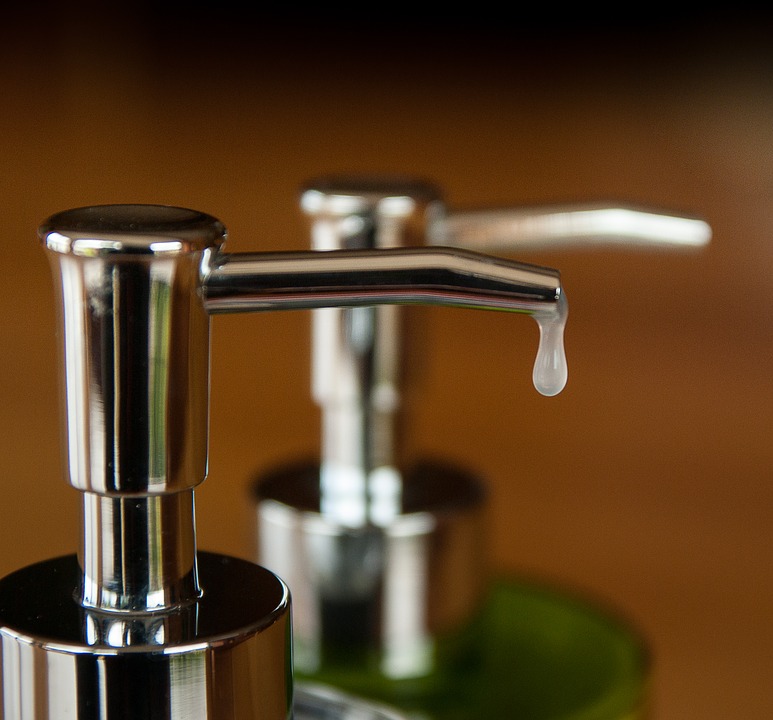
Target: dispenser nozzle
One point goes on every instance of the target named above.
(451, 277)
(454, 277)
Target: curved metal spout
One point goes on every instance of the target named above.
(363, 278)
(353, 468)
(245, 282)
(577, 225)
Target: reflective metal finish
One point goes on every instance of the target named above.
(134, 340)
(225, 657)
(162, 572)
(366, 543)
(384, 597)
(249, 282)
(140, 624)
(135, 349)
(357, 352)
(357, 363)
(566, 226)
(356, 336)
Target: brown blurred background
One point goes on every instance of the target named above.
(646, 483)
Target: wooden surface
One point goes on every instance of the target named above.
(645, 484)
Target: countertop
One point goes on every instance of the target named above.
(645, 484)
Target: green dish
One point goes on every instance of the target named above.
(534, 653)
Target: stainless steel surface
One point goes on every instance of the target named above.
(134, 338)
(577, 225)
(356, 348)
(156, 534)
(140, 624)
(354, 550)
(357, 352)
(225, 657)
(658, 496)
(135, 351)
(385, 597)
(137, 283)
(453, 277)
(357, 362)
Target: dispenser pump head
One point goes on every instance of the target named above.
(136, 345)
(135, 348)
(137, 285)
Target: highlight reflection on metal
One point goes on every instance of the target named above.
(357, 364)
(141, 624)
(362, 278)
(161, 574)
(135, 348)
(357, 353)
(376, 592)
(557, 226)
(224, 657)
(137, 284)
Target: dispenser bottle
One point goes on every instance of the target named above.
(141, 623)
(385, 553)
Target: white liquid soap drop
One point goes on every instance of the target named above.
(550, 370)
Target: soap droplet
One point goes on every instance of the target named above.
(550, 370)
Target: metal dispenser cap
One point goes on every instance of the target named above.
(136, 393)
(141, 624)
(136, 345)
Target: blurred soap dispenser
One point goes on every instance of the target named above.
(385, 554)
(141, 624)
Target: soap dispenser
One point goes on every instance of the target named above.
(141, 623)
(384, 552)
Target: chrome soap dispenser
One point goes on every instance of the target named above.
(141, 623)
(384, 552)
